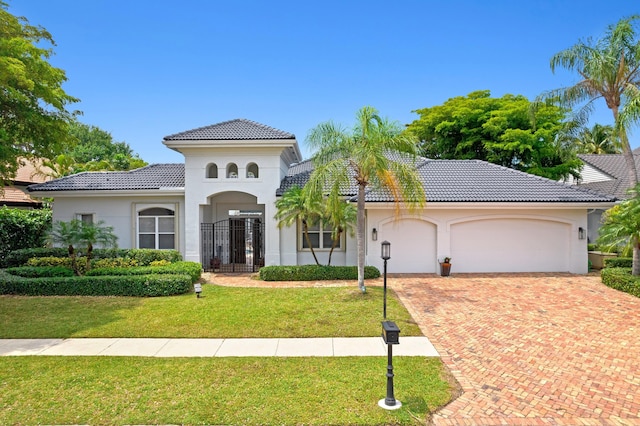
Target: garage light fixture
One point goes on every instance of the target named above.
(374, 234)
(581, 233)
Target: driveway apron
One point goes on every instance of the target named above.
(531, 349)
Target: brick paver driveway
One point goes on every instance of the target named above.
(532, 349)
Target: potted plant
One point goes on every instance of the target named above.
(445, 266)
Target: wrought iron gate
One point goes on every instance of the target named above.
(233, 245)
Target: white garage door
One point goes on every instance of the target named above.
(510, 245)
(413, 245)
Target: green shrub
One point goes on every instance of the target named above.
(192, 269)
(315, 273)
(621, 279)
(49, 261)
(21, 257)
(40, 271)
(618, 262)
(146, 256)
(133, 285)
(20, 229)
(162, 262)
(592, 247)
(115, 262)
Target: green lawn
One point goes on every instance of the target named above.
(221, 312)
(247, 391)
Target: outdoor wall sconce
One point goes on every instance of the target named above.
(374, 234)
(581, 233)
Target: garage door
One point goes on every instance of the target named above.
(510, 245)
(413, 245)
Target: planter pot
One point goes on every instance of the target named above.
(445, 269)
(597, 258)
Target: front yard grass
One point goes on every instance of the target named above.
(221, 312)
(247, 391)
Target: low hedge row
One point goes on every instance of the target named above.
(41, 271)
(192, 269)
(315, 273)
(132, 285)
(143, 256)
(618, 262)
(621, 279)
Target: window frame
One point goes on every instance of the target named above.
(321, 231)
(157, 233)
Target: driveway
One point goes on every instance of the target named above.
(531, 349)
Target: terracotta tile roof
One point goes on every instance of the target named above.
(238, 129)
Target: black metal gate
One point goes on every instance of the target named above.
(233, 245)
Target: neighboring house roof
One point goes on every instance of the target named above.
(238, 129)
(154, 176)
(467, 181)
(14, 194)
(614, 166)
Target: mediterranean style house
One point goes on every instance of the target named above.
(218, 208)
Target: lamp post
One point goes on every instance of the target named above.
(386, 255)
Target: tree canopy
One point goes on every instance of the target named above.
(498, 130)
(34, 119)
(93, 150)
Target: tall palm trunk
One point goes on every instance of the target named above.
(633, 182)
(334, 244)
(360, 237)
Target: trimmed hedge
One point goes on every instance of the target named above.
(621, 279)
(618, 262)
(41, 271)
(143, 256)
(192, 269)
(22, 228)
(132, 285)
(315, 273)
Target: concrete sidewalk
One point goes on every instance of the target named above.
(165, 347)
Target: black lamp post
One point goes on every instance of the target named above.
(386, 255)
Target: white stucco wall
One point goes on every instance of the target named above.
(119, 212)
(508, 239)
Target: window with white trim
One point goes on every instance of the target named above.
(85, 218)
(156, 228)
(320, 237)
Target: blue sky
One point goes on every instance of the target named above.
(146, 69)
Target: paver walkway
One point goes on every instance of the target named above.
(531, 350)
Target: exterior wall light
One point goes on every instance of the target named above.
(581, 233)
(374, 234)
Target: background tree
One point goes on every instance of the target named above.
(498, 130)
(365, 156)
(297, 206)
(621, 228)
(93, 150)
(21, 229)
(609, 69)
(34, 119)
(599, 139)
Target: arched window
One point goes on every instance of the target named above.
(252, 170)
(232, 171)
(212, 171)
(156, 228)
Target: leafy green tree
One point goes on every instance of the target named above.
(608, 69)
(76, 234)
(498, 130)
(34, 120)
(365, 156)
(296, 205)
(599, 139)
(621, 228)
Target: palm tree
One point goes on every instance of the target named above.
(77, 233)
(608, 69)
(599, 139)
(621, 227)
(364, 156)
(340, 215)
(296, 205)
